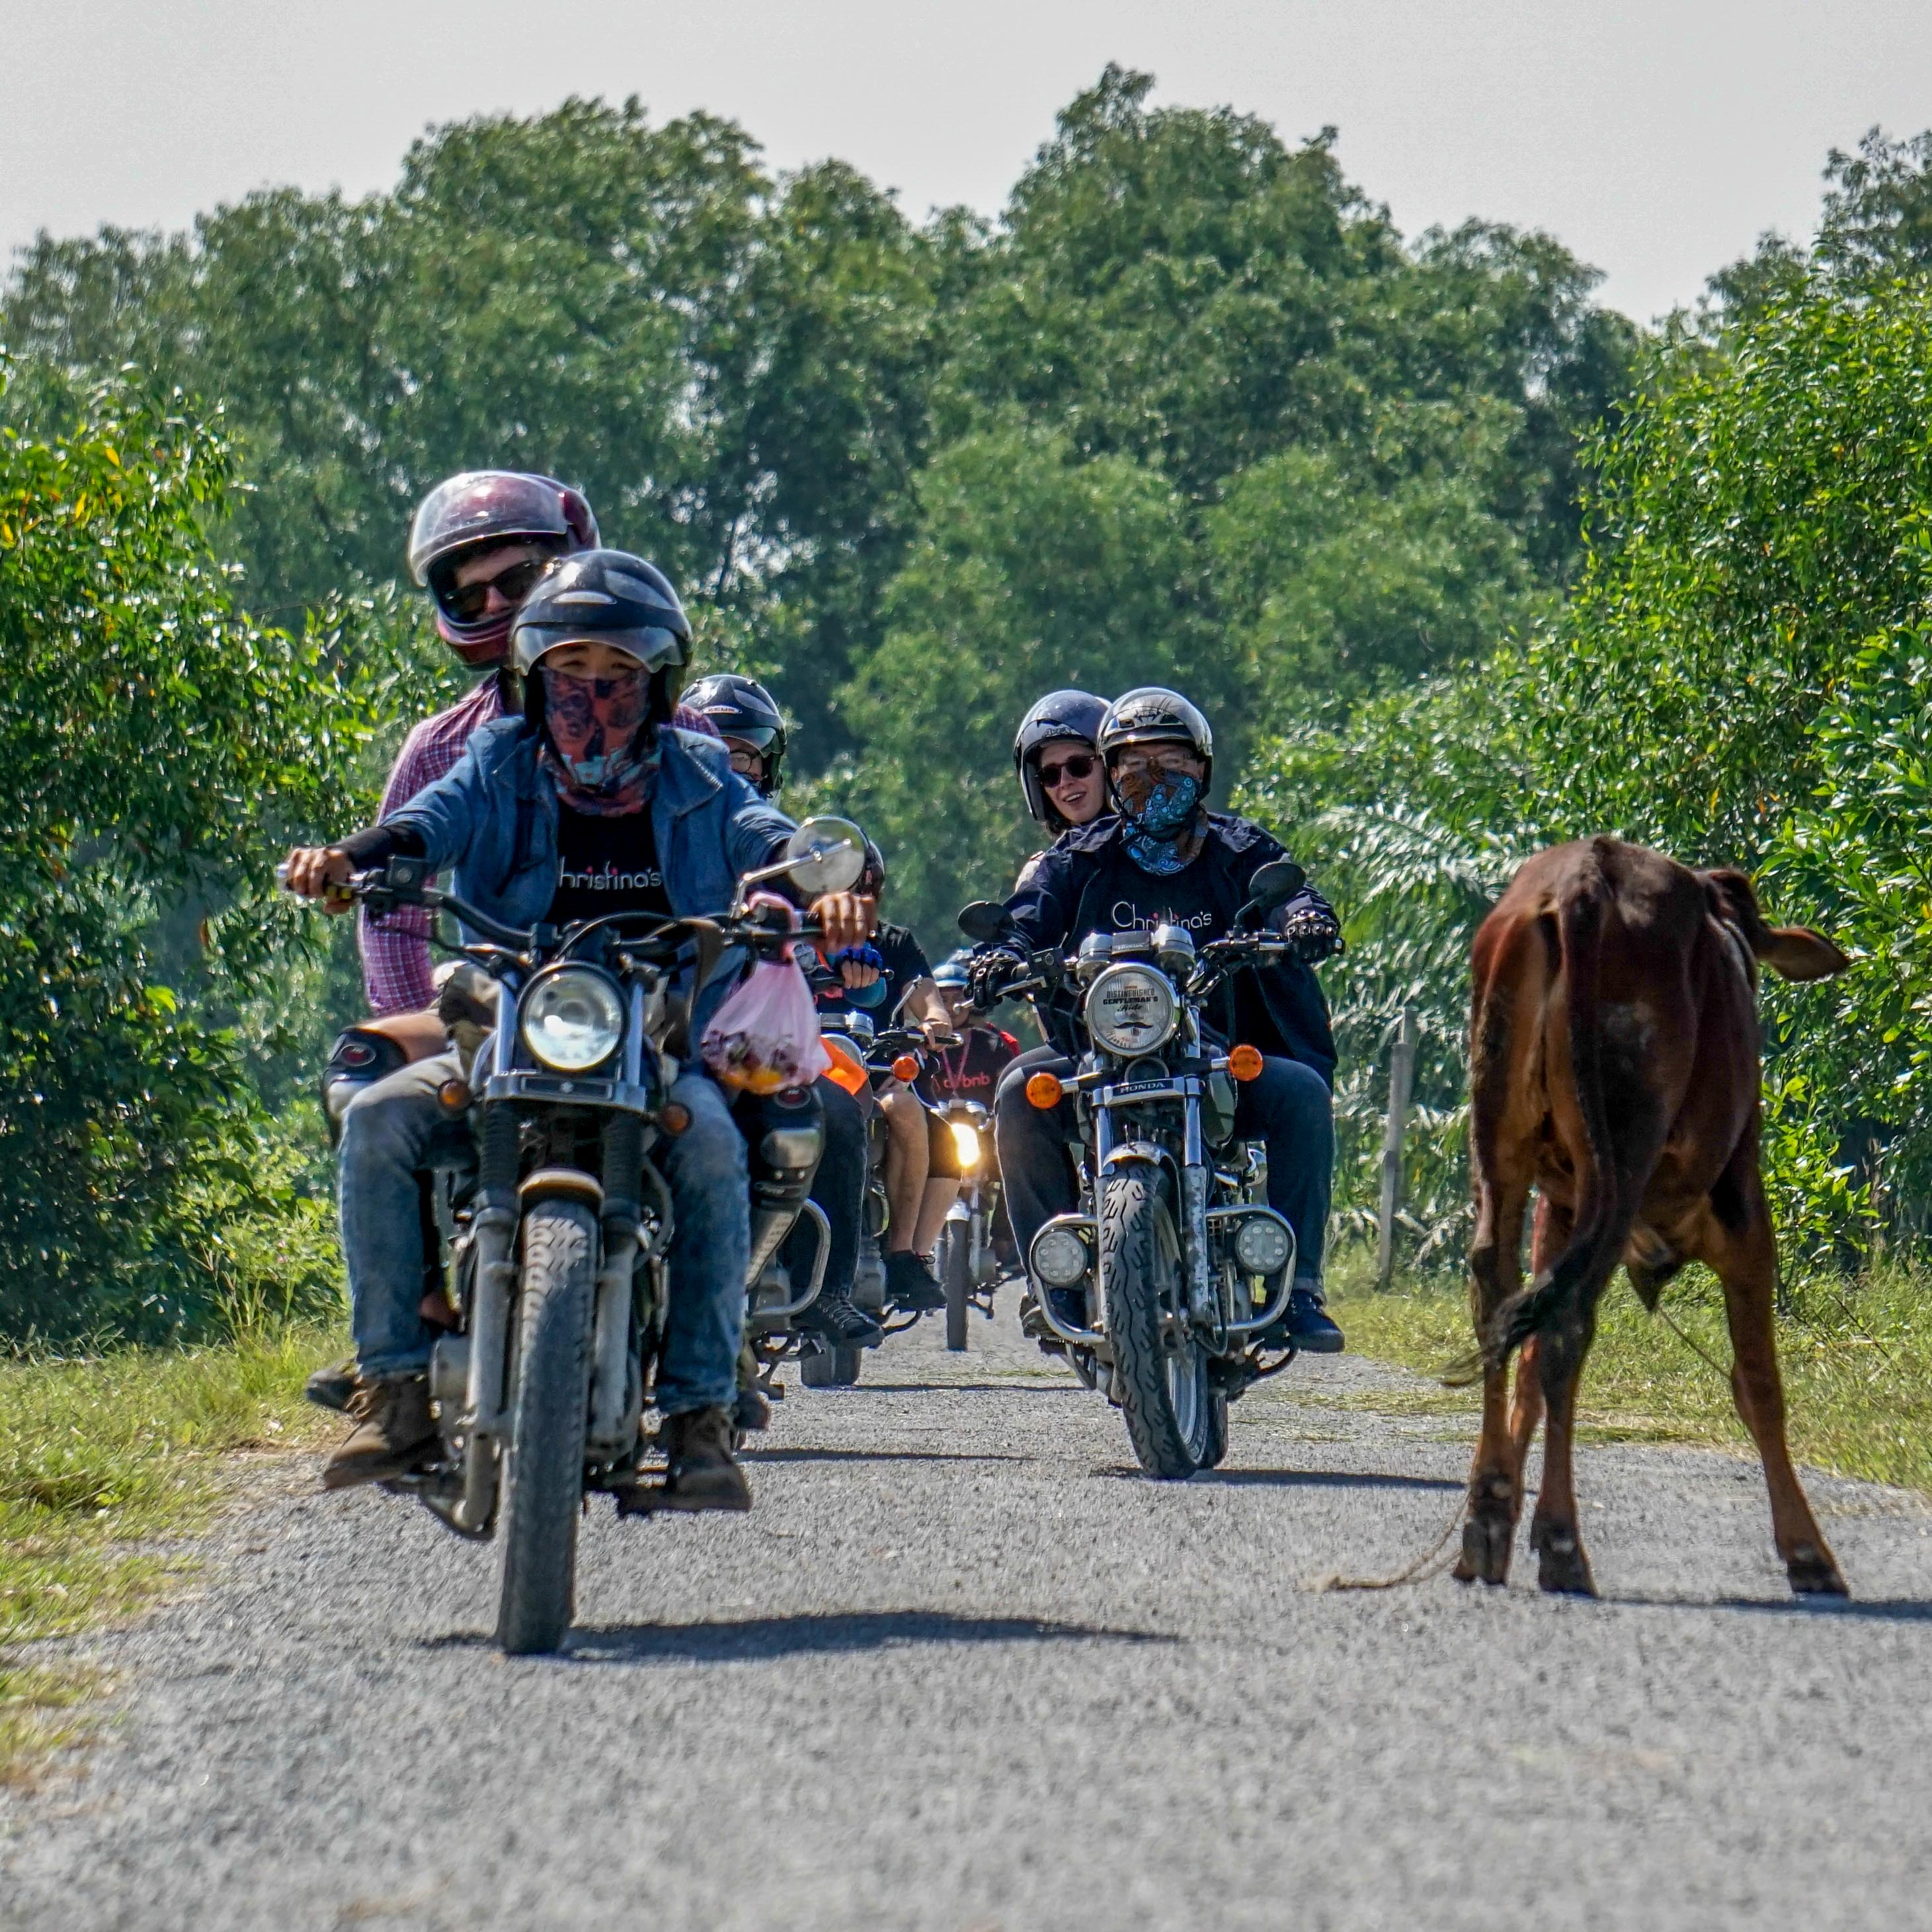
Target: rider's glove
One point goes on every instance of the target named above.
(1312, 937)
(989, 976)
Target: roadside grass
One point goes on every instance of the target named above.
(1856, 1356)
(107, 1464)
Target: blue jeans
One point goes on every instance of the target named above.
(398, 1126)
(1288, 1107)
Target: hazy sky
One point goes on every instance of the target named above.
(1656, 137)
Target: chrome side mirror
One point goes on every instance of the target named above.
(825, 855)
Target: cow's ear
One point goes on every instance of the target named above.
(1797, 952)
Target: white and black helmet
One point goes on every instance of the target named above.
(1153, 715)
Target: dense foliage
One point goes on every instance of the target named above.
(1739, 678)
(155, 746)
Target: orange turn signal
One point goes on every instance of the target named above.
(1245, 1062)
(905, 1068)
(455, 1095)
(845, 1071)
(674, 1117)
(1043, 1090)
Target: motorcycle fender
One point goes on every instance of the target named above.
(562, 1183)
(1140, 1154)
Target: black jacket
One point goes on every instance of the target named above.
(1050, 909)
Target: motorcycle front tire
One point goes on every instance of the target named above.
(955, 1242)
(543, 1467)
(1164, 1396)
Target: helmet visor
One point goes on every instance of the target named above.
(480, 505)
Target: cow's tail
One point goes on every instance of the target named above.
(1603, 1215)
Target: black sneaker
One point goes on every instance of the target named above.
(910, 1283)
(1309, 1326)
(836, 1316)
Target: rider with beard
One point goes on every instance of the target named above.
(1166, 858)
(746, 716)
(588, 802)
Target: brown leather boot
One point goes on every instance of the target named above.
(393, 1431)
(703, 1474)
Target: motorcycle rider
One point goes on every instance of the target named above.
(1059, 770)
(1163, 857)
(970, 1071)
(746, 714)
(889, 978)
(587, 800)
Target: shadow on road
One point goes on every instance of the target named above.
(1072, 1387)
(1298, 1479)
(756, 1640)
(1877, 1609)
(881, 1456)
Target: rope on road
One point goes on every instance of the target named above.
(1433, 1561)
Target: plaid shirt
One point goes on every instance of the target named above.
(396, 965)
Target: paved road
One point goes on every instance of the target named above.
(962, 1670)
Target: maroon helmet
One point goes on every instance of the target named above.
(484, 507)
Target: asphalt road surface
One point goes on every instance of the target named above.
(963, 1669)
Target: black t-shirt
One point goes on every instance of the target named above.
(971, 1070)
(1121, 897)
(905, 966)
(606, 863)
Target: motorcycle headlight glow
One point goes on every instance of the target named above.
(572, 1020)
(966, 1145)
(1262, 1245)
(1131, 1010)
(1059, 1257)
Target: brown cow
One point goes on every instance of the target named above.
(1614, 1068)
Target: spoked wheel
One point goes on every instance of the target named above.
(1170, 1407)
(543, 1467)
(836, 1367)
(956, 1259)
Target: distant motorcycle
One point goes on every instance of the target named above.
(1173, 1253)
(965, 1258)
(540, 1388)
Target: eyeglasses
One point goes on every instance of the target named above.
(1080, 765)
(747, 764)
(1138, 764)
(467, 602)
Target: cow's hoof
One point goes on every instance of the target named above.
(1562, 1569)
(1485, 1550)
(1814, 1572)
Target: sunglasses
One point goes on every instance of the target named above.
(1169, 764)
(467, 602)
(1080, 765)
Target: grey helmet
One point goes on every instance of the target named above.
(1060, 714)
(1153, 715)
(742, 708)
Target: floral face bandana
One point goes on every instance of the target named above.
(594, 740)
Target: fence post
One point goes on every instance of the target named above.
(1402, 1083)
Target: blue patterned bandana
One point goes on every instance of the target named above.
(1156, 832)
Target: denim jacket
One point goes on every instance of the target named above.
(493, 821)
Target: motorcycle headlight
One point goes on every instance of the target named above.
(1131, 1010)
(966, 1145)
(1262, 1245)
(572, 1019)
(1059, 1257)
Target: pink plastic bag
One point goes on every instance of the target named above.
(765, 1036)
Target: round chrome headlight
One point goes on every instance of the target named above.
(1262, 1245)
(1130, 1009)
(1059, 1257)
(572, 1019)
(966, 1145)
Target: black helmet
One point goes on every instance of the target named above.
(742, 708)
(1061, 714)
(604, 597)
(872, 880)
(1152, 715)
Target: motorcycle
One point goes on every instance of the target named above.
(1173, 1254)
(964, 1258)
(540, 1384)
(864, 1059)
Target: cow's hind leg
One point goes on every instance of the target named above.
(1562, 1566)
(1495, 1275)
(1550, 1235)
(1745, 1260)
